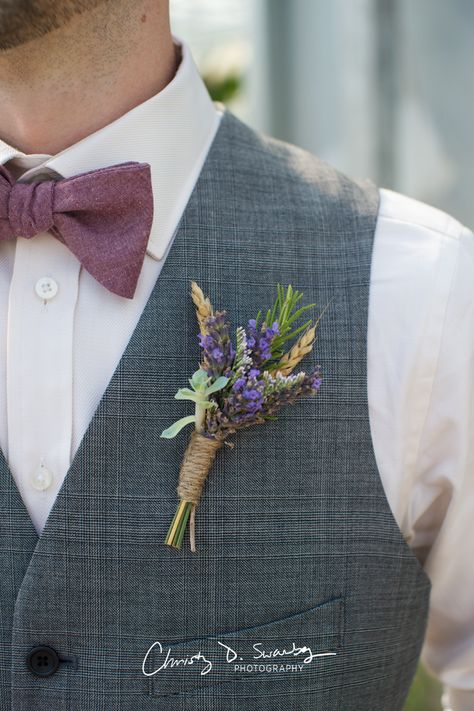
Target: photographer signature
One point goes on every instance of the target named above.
(167, 661)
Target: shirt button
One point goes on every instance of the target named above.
(42, 478)
(43, 661)
(46, 287)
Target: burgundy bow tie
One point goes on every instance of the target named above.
(103, 216)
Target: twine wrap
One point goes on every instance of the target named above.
(197, 461)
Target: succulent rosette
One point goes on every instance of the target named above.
(238, 387)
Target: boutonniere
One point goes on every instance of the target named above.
(238, 387)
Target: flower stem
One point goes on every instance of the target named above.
(200, 413)
(175, 534)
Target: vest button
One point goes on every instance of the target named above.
(43, 661)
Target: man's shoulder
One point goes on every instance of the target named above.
(284, 170)
(406, 213)
(307, 181)
(280, 157)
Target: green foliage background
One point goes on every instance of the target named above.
(425, 693)
(225, 89)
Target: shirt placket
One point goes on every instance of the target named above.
(40, 327)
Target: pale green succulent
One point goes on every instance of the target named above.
(201, 389)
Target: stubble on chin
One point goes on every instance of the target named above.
(22, 21)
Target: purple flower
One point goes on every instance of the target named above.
(244, 399)
(315, 380)
(218, 351)
(241, 405)
(259, 342)
(239, 385)
(255, 395)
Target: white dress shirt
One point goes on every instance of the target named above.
(64, 333)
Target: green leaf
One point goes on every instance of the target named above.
(177, 426)
(298, 313)
(199, 379)
(218, 384)
(187, 394)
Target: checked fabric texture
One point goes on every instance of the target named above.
(296, 543)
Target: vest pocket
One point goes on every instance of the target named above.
(298, 650)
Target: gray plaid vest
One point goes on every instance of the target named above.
(303, 593)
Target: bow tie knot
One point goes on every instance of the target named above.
(103, 216)
(30, 208)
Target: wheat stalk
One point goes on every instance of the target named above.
(203, 305)
(302, 347)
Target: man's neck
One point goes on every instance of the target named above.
(58, 89)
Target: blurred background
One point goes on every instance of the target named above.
(379, 88)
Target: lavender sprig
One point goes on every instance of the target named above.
(260, 341)
(218, 351)
(256, 399)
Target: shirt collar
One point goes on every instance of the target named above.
(171, 131)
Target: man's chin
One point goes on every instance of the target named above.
(12, 41)
(8, 43)
(21, 23)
